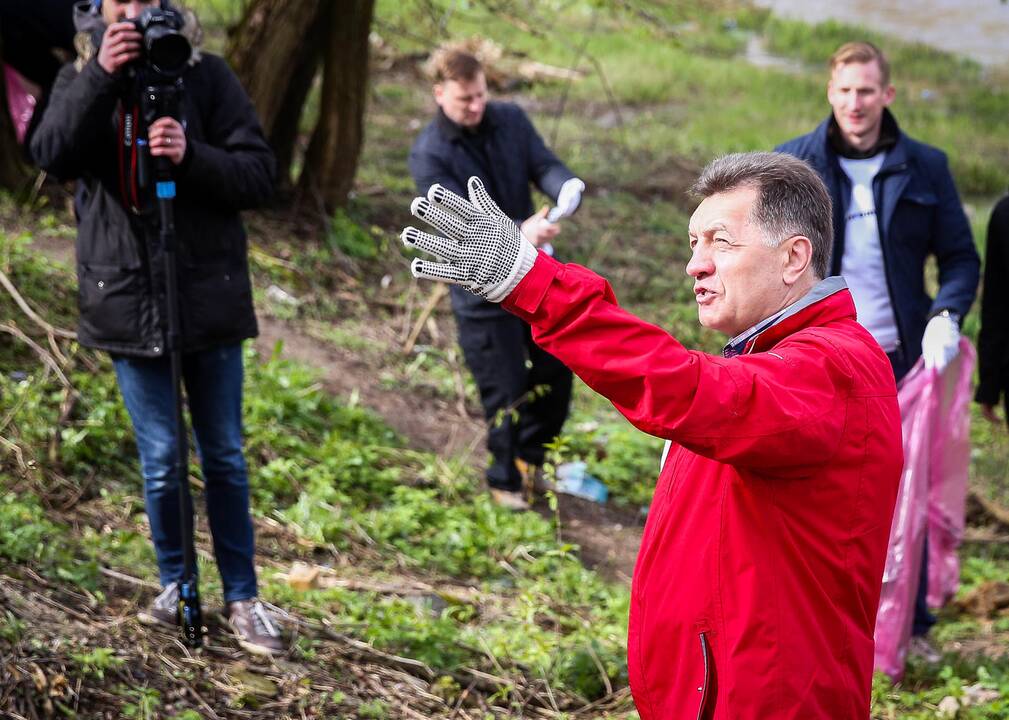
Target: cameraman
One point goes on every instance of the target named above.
(92, 130)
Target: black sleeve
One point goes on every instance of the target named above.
(74, 128)
(546, 170)
(234, 165)
(953, 245)
(993, 340)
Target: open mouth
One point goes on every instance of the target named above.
(703, 295)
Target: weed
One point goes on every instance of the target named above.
(144, 703)
(97, 661)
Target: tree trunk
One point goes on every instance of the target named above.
(331, 160)
(287, 124)
(13, 171)
(266, 46)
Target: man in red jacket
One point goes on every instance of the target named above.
(758, 578)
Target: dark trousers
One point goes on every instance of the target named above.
(923, 620)
(525, 392)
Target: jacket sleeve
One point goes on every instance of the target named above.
(781, 409)
(546, 171)
(993, 340)
(69, 135)
(234, 166)
(953, 246)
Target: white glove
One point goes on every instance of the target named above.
(484, 251)
(941, 342)
(568, 200)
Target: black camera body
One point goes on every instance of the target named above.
(163, 47)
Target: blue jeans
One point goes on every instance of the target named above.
(213, 382)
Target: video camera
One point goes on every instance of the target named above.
(163, 47)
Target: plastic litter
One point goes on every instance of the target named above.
(935, 421)
(20, 100)
(573, 479)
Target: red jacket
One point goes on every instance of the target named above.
(758, 578)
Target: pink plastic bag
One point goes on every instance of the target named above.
(947, 492)
(20, 100)
(935, 421)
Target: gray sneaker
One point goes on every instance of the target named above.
(254, 627)
(163, 610)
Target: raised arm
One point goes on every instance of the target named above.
(750, 410)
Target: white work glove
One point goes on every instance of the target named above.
(568, 200)
(941, 342)
(483, 251)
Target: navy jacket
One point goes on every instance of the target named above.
(919, 214)
(506, 153)
(993, 340)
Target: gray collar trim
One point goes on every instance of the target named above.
(824, 288)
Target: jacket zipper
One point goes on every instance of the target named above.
(707, 676)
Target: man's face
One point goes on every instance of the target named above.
(858, 97)
(463, 101)
(114, 11)
(738, 279)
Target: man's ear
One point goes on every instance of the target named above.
(796, 257)
(889, 93)
(439, 92)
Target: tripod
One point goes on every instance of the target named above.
(160, 101)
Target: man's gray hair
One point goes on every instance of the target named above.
(791, 198)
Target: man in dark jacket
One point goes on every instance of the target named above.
(91, 131)
(497, 143)
(993, 340)
(895, 204)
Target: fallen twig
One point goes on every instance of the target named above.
(439, 291)
(44, 354)
(32, 315)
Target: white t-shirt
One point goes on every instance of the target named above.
(862, 263)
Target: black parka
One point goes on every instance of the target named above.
(228, 167)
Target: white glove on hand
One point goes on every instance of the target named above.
(568, 200)
(484, 251)
(941, 342)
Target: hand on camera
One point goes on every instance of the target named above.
(120, 46)
(167, 138)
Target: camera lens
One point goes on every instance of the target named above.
(167, 50)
